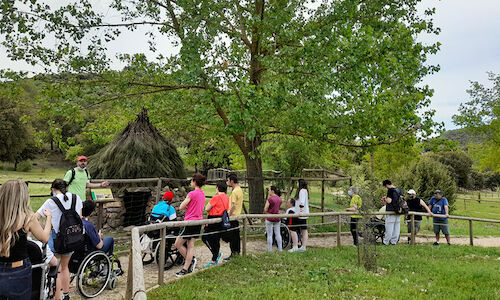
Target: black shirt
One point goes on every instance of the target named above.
(18, 248)
(393, 193)
(414, 205)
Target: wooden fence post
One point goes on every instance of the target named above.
(158, 191)
(323, 196)
(244, 246)
(161, 264)
(338, 231)
(413, 233)
(99, 215)
(470, 233)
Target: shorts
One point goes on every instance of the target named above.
(294, 226)
(417, 225)
(441, 224)
(53, 236)
(190, 232)
(301, 224)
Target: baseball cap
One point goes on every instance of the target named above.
(168, 195)
(412, 192)
(82, 158)
(438, 192)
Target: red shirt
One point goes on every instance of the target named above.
(219, 203)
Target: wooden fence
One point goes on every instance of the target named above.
(136, 288)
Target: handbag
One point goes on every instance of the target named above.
(226, 223)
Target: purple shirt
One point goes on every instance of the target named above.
(194, 209)
(274, 207)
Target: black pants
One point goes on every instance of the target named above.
(232, 236)
(212, 240)
(354, 230)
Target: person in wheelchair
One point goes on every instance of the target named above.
(292, 225)
(97, 242)
(164, 211)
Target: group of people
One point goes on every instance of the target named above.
(438, 207)
(19, 222)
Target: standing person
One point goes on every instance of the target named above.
(59, 190)
(439, 206)
(417, 205)
(78, 179)
(355, 205)
(17, 219)
(215, 209)
(392, 222)
(272, 206)
(302, 206)
(236, 204)
(292, 225)
(193, 205)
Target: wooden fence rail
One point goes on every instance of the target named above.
(135, 278)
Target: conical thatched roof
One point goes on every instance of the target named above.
(140, 151)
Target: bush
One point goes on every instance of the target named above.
(73, 153)
(25, 166)
(459, 163)
(426, 176)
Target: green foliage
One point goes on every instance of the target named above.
(460, 165)
(74, 152)
(385, 159)
(25, 166)
(425, 176)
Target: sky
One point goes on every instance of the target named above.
(470, 47)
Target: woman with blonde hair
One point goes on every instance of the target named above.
(17, 220)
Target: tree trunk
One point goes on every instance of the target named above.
(15, 164)
(255, 184)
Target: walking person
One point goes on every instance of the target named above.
(232, 235)
(272, 206)
(193, 205)
(392, 222)
(355, 205)
(439, 206)
(17, 220)
(59, 191)
(302, 206)
(78, 179)
(215, 208)
(417, 205)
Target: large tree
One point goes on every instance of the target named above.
(341, 72)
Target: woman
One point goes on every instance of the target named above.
(17, 220)
(59, 190)
(272, 206)
(302, 207)
(215, 209)
(355, 205)
(193, 205)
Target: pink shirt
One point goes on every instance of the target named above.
(194, 209)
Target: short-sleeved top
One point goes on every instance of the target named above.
(92, 233)
(79, 184)
(381, 210)
(414, 205)
(164, 209)
(291, 221)
(438, 205)
(194, 209)
(236, 198)
(274, 207)
(356, 199)
(219, 203)
(302, 201)
(394, 194)
(51, 206)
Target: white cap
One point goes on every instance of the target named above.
(412, 192)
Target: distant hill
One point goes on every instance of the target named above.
(463, 136)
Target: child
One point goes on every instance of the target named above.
(292, 225)
(164, 207)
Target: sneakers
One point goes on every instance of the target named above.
(192, 266)
(210, 264)
(65, 297)
(409, 240)
(228, 258)
(294, 249)
(218, 258)
(436, 244)
(182, 273)
(301, 249)
(449, 244)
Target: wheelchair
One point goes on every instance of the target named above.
(377, 227)
(94, 270)
(43, 278)
(286, 237)
(150, 245)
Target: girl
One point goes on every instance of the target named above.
(59, 190)
(17, 220)
(302, 207)
(272, 206)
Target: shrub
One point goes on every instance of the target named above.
(460, 165)
(73, 152)
(25, 166)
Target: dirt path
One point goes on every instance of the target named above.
(254, 246)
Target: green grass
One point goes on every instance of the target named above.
(422, 272)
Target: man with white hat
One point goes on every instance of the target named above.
(417, 205)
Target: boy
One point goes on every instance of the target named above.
(292, 225)
(164, 207)
(96, 240)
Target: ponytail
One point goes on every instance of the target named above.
(62, 186)
(275, 190)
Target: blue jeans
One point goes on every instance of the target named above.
(108, 244)
(15, 283)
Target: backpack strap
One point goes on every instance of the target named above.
(58, 203)
(72, 176)
(73, 201)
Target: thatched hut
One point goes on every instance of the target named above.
(140, 151)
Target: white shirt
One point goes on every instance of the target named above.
(51, 206)
(304, 201)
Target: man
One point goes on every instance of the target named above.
(439, 206)
(392, 222)
(78, 179)
(355, 205)
(417, 205)
(235, 205)
(96, 240)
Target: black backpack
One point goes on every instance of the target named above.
(73, 172)
(70, 236)
(402, 206)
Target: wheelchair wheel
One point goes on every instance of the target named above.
(286, 237)
(172, 255)
(93, 274)
(379, 232)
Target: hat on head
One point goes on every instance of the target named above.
(412, 192)
(82, 158)
(438, 192)
(168, 195)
